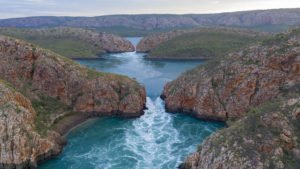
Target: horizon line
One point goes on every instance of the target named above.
(182, 14)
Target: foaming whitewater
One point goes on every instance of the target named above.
(157, 140)
(152, 137)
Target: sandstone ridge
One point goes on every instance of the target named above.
(57, 94)
(267, 138)
(225, 88)
(21, 146)
(256, 91)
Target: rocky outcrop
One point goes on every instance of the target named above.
(267, 138)
(226, 88)
(112, 44)
(102, 42)
(21, 146)
(86, 91)
(259, 18)
(59, 89)
(152, 41)
(256, 91)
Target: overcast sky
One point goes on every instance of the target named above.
(22, 8)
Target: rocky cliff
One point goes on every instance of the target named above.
(85, 90)
(226, 88)
(256, 91)
(260, 18)
(267, 138)
(150, 42)
(59, 89)
(21, 146)
(67, 40)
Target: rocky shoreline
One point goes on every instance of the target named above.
(56, 89)
(224, 89)
(66, 124)
(177, 58)
(256, 92)
(21, 145)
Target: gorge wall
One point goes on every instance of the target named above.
(226, 88)
(268, 137)
(256, 91)
(21, 145)
(53, 89)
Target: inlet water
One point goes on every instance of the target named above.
(157, 140)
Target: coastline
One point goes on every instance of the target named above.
(99, 57)
(160, 58)
(177, 58)
(87, 58)
(66, 124)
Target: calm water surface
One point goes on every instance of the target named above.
(157, 140)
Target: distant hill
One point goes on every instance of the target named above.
(72, 42)
(267, 20)
(203, 43)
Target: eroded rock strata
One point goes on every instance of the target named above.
(21, 146)
(226, 88)
(59, 90)
(26, 66)
(267, 138)
(256, 91)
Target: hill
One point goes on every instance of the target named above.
(72, 42)
(266, 20)
(202, 43)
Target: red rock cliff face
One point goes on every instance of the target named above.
(86, 91)
(40, 73)
(267, 138)
(260, 86)
(227, 88)
(20, 145)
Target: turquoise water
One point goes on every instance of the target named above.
(157, 140)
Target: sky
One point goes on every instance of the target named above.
(23, 8)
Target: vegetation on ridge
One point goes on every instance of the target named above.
(205, 43)
(70, 42)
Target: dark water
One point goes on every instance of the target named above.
(157, 140)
